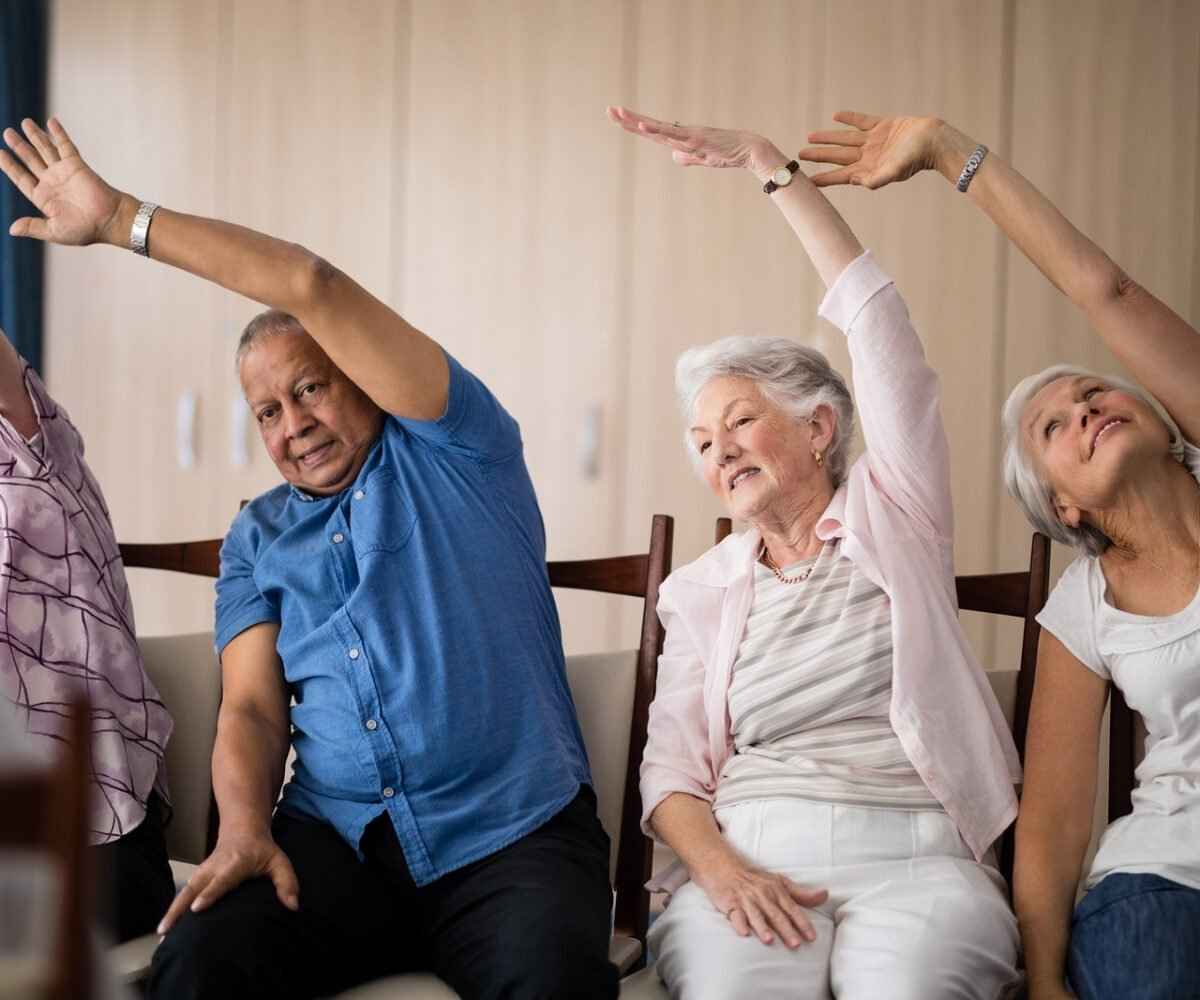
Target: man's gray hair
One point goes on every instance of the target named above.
(796, 378)
(1034, 495)
(265, 324)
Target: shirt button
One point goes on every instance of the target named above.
(372, 725)
(388, 793)
(354, 653)
(359, 494)
(338, 538)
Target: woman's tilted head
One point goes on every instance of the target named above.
(1072, 441)
(764, 416)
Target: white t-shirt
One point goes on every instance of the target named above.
(1155, 663)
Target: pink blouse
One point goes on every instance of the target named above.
(67, 622)
(894, 517)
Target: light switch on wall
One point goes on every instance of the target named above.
(185, 430)
(239, 415)
(590, 442)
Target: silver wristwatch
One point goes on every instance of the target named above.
(139, 232)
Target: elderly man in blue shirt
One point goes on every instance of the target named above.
(440, 814)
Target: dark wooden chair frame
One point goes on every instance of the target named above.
(637, 576)
(47, 808)
(1017, 595)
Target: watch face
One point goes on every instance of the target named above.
(782, 177)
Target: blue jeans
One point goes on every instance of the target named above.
(1136, 937)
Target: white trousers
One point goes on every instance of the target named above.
(910, 914)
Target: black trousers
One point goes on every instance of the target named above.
(133, 877)
(530, 921)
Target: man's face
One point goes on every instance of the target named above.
(317, 425)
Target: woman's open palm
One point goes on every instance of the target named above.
(873, 151)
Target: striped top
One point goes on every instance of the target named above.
(811, 692)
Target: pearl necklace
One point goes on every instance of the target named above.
(770, 563)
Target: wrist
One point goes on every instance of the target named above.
(765, 159)
(951, 150)
(115, 231)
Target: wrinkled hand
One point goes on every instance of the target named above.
(763, 902)
(697, 145)
(235, 859)
(874, 151)
(47, 169)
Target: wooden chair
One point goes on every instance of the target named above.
(612, 691)
(1017, 595)
(46, 809)
(185, 670)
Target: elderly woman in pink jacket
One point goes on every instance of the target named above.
(825, 754)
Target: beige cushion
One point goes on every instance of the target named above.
(187, 674)
(622, 952)
(644, 985)
(1004, 686)
(602, 685)
(419, 986)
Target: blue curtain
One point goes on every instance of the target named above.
(22, 94)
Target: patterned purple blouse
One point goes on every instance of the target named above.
(66, 623)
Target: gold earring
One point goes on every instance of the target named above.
(817, 455)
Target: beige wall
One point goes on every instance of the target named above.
(455, 159)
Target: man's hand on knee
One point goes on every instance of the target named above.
(236, 858)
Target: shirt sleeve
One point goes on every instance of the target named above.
(897, 394)
(676, 757)
(474, 424)
(1070, 616)
(240, 604)
(61, 443)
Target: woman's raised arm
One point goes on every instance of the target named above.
(1158, 346)
(827, 239)
(401, 369)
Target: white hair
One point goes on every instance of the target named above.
(1021, 476)
(796, 378)
(270, 323)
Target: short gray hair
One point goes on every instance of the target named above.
(796, 378)
(265, 324)
(1034, 495)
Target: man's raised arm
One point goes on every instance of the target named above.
(400, 368)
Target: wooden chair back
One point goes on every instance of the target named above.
(1017, 595)
(636, 576)
(46, 809)
(187, 675)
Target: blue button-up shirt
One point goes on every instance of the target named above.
(419, 638)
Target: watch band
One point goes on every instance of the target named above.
(771, 186)
(139, 232)
(969, 168)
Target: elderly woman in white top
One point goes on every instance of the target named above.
(825, 754)
(1098, 464)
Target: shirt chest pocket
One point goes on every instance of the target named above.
(381, 516)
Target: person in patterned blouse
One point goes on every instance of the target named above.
(66, 629)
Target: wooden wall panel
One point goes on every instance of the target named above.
(1106, 105)
(708, 256)
(124, 336)
(944, 58)
(512, 230)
